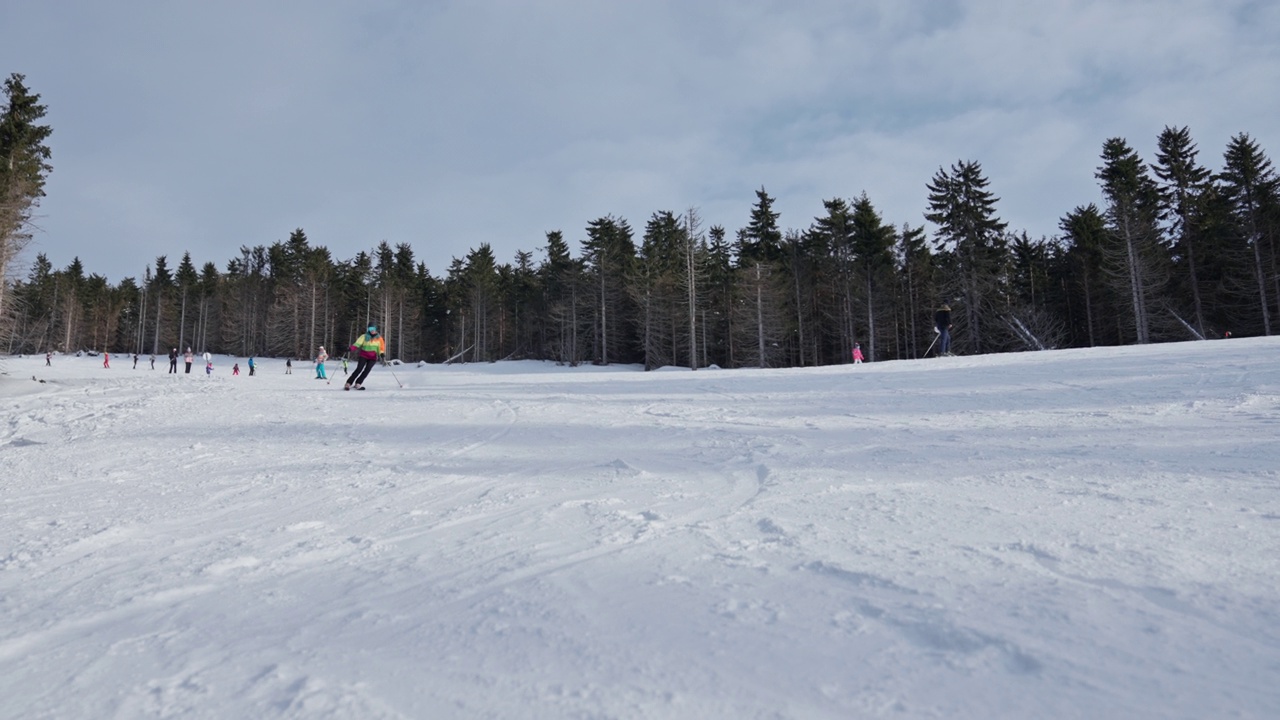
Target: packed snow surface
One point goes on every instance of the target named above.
(1073, 534)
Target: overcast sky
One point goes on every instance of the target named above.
(201, 127)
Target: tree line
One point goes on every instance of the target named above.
(1175, 251)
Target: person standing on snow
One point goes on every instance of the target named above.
(857, 354)
(106, 360)
(235, 369)
(173, 361)
(942, 326)
(252, 367)
(288, 366)
(187, 357)
(369, 348)
(320, 358)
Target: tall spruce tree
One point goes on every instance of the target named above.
(609, 252)
(560, 278)
(872, 243)
(24, 164)
(761, 240)
(719, 299)
(834, 233)
(1182, 187)
(1249, 185)
(915, 272)
(186, 279)
(970, 239)
(1132, 212)
(1085, 230)
(655, 289)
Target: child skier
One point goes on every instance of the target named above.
(857, 354)
(369, 348)
(320, 358)
(235, 369)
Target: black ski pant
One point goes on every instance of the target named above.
(363, 366)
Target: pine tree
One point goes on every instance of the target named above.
(1181, 199)
(187, 279)
(719, 299)
(560, 278)
(1250, 187)
(761, 240)
(971, 237)
(872, 243)
(24, 165)
(655, 289)
(610, 253)
(833, 233)
(161, 287)
(1085, 231)
(916, 269)
(1132, 211)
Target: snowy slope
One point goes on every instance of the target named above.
(1079, 533)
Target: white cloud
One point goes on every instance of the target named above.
(452, 124)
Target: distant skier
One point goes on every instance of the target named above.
(208, 367)
(369, 348)
(106, 360)
(288, 366)
(252, 367)
(857, 354)
(153, 361)
(320, 358)
(187, 357)
(48, 359)
(942, 326)
(135, 361)
(173, 361)
(235, 369)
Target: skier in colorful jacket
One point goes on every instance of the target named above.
(320, 358)
(369, 348)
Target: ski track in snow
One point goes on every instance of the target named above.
(1084, 533)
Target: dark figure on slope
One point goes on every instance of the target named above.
(942, 325)
(369, 348)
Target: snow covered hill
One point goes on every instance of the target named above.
(1074, 534)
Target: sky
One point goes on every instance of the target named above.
(1085, 533)
(201, 127)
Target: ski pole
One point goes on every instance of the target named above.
(935, 340)
(393, 374)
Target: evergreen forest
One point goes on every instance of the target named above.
(1176, 250)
